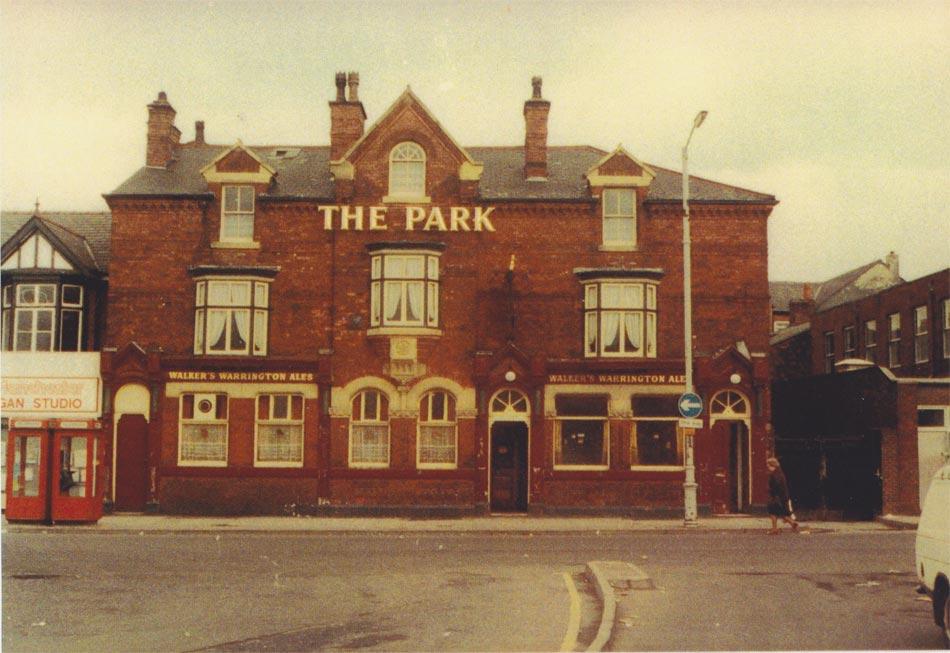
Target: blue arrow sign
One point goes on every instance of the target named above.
(690, 404)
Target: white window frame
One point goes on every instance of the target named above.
(279, 419)
(384, 285)
(375, 420)
(256, 314)
(559, 421)
(778, 325)
(894, 340)
(870, 341)
(34, 309)
(184, 422)
(921, 335)
(448, 424)
(643, 308)
(613, 213)
(237, 225)
(407, 173)
(637, 420)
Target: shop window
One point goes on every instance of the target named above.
(620, 319)
(870, 341)
(850, 342)
(894, 340)
(921, 335)
(42, 317)
(407, 172)
(279, 430)
(620, 217)
(203, 430)
(829, 352)
(655, 439)
(404, 289)
(237, 213)
(369, 430)
(231, 317)
(581, 433)
(438, 434)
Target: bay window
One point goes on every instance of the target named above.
(404, 288)
(620, 318)
(231, 316)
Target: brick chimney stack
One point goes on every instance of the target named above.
(893, 264)
(536, 133)
(800, 310)
(347, 115)
(199, 132)
(163, 137)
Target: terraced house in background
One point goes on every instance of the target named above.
(397, 322)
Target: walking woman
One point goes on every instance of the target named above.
(779, 504)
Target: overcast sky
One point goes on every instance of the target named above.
(839, 109)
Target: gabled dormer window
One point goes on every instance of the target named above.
(237, 214)
(407, 172)
(620, 217)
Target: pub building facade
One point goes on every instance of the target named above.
(397, 323)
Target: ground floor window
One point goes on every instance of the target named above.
(279, 430)
(581, 432)
(655, 438)
(369, 429)
(438, 436)
(203, 430)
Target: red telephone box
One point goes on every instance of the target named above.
(54, 471)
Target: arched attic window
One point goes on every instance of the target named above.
(407, 171)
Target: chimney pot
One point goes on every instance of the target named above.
(162, 97)
(341, 87)
(199, 132)
(536, 88)
(354, 83)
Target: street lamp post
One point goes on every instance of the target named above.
(689, 484)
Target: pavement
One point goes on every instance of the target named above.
(142, 523)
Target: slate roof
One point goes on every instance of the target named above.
(827, 294)
(86, 235)
(307, 176)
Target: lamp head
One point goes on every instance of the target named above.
(700, 117)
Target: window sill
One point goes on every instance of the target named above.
(657, 468)
(581, 468)
(202, 464)
(275, 465)
(618, 248)
(235, 244)
(407, 199)
(369, 465)
(427, 466)
(403, 331)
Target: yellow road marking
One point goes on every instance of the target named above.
(574, 622)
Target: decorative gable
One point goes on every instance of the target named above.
(36, 252)
(408, 119)
(620, 168)
(238, 165)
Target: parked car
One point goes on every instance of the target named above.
(933, 549)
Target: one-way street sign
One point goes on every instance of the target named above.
(690, 404)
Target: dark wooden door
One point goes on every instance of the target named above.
(509, 467)
(131, 466)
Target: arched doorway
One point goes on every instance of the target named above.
(130, 449)
(730, 452)
(508, 424)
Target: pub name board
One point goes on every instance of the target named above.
(242, 377)
(647, 378)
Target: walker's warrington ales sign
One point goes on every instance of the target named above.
(619, 379)
(412, 218)
(242, 377)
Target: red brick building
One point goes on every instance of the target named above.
(862, 397)
(396, 322)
